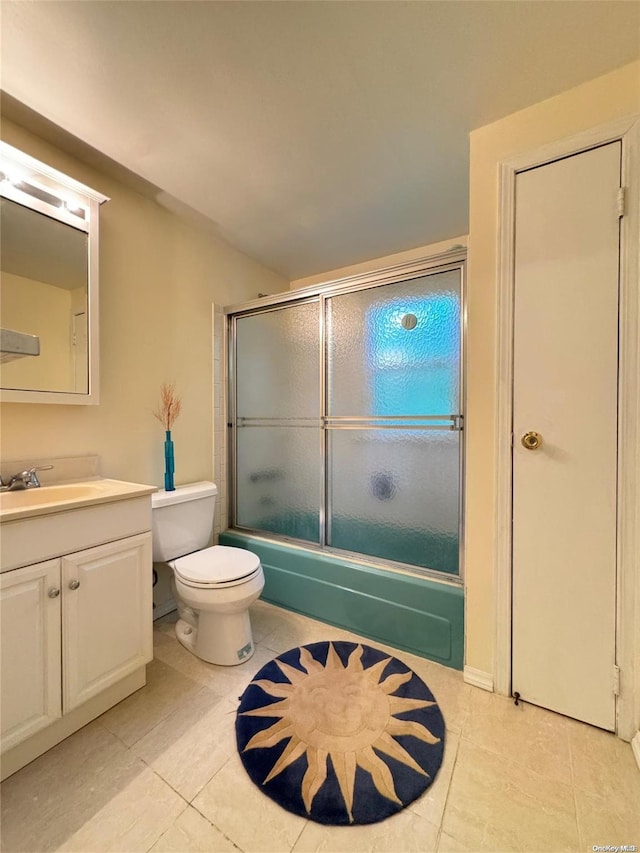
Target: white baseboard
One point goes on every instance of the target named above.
(635, 747)
(478, 678)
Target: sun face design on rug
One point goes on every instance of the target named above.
(345, 712)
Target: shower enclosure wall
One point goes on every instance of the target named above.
(345, 424)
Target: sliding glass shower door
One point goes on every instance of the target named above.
(393, 399)
(277, 421)
(346, 420)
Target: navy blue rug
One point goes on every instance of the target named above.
(340, 733)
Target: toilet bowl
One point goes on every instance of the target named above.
(214, 591)
(213, 587)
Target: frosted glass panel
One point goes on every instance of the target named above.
(278, 363)
(388, 482)
(395, 494)
(395, 350)
(278, 480)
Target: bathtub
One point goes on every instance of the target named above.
(420, 615)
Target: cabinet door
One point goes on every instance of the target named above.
(30, 636)
(107, 618)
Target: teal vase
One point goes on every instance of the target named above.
(169, 463)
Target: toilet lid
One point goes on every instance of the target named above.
(218, 564)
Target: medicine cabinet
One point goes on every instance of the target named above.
(49, 296)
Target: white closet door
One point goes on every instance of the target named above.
(565, 389)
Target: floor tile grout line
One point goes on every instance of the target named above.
(465, 713)
(573, 788)
(174, 708)
(107, 729)
(177, 710)
(217, 828)
(446, 799)
(144, 761)
(520, 764)
(201, 813)
(305, 825)
(186, 806)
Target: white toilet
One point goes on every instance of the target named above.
(214, 587)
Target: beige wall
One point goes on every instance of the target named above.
(159, 275)
(605, 99)
(381, 262)
(41, 309)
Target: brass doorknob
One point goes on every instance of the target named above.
(531, 440)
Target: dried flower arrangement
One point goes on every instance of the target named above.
(170, 406)
(167, 412)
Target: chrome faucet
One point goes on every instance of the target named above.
(24, 479)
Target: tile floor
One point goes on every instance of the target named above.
(159, 772)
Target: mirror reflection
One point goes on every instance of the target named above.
(44, 264)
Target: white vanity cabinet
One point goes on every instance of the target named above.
(106, 616)
(77, 625)
(30, 678)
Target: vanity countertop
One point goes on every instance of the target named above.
(65, 496)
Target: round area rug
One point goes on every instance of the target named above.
(340, 733)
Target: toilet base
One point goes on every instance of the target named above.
(225, 640)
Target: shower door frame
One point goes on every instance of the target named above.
(432, 265)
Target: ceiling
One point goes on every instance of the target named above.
(312, 134)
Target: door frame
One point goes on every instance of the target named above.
(627, 131)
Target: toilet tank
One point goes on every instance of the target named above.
(182, 520)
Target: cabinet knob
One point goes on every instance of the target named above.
(74, 584)
(54, 592)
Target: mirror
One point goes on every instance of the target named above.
(48, 299)
(44, 293)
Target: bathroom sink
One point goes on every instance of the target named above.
(63, 496)
(49, 494)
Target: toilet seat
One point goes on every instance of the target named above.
(218, 566)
